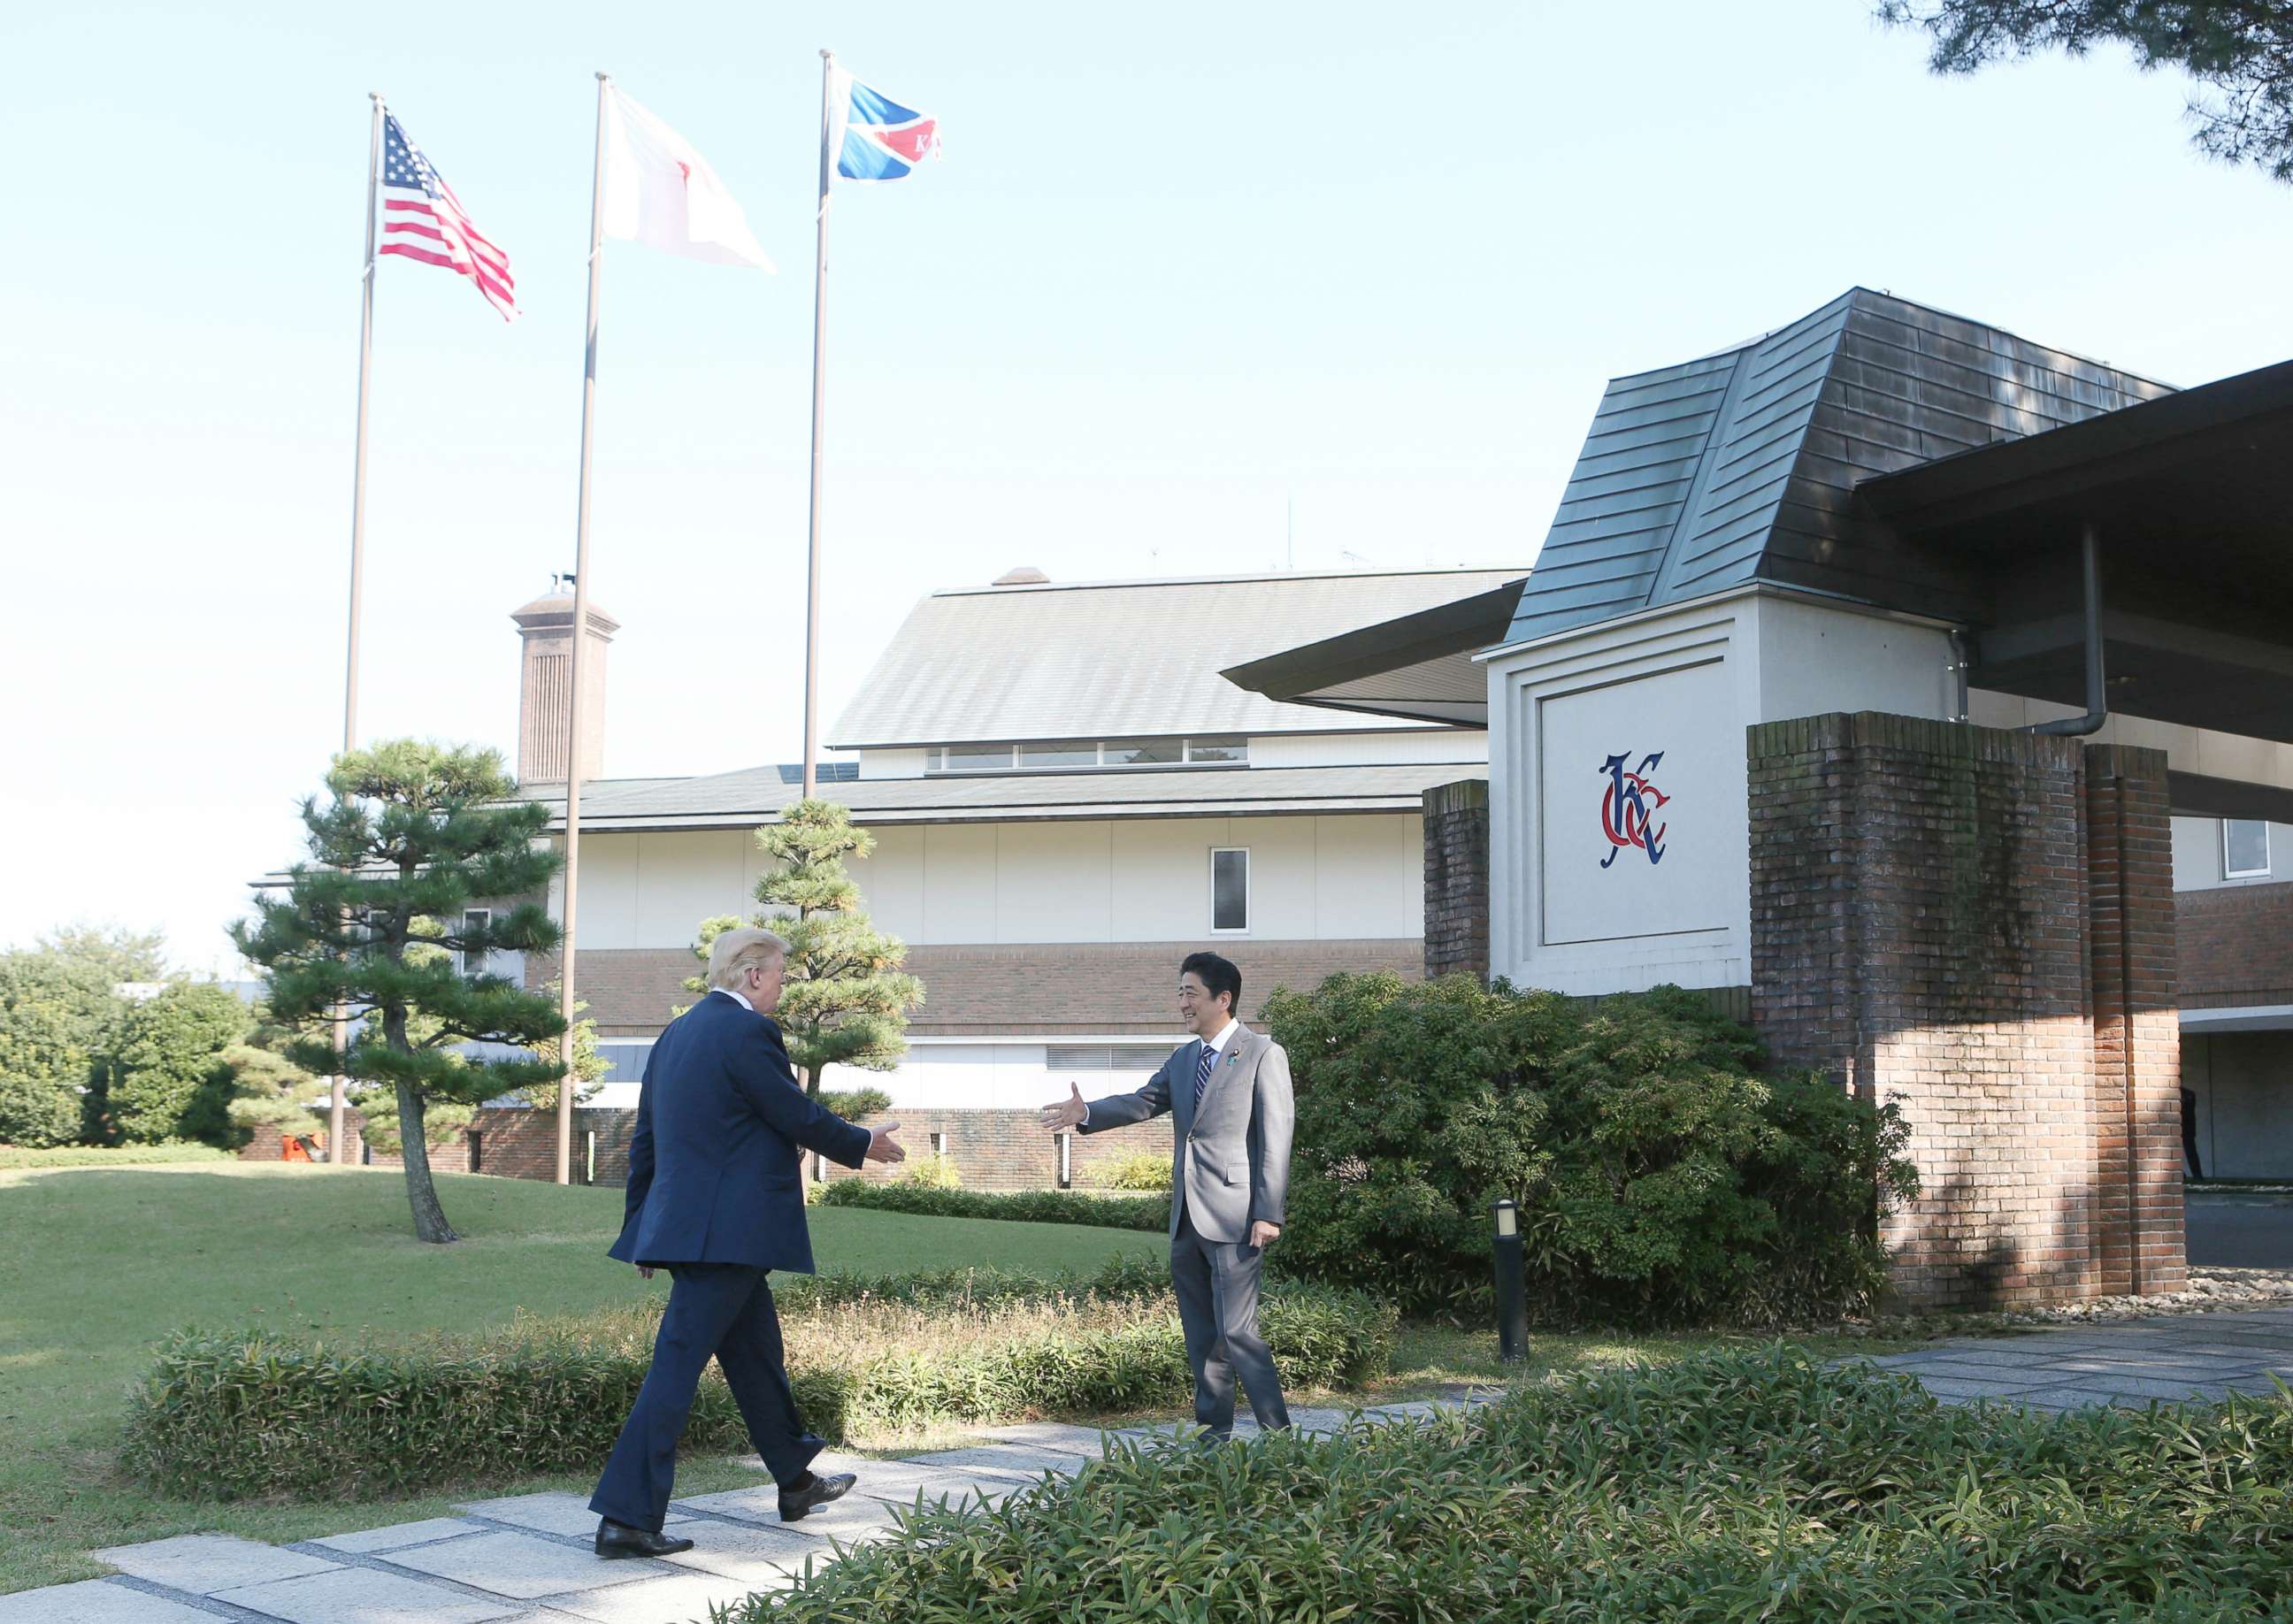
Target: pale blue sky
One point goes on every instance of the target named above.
(1177, 263)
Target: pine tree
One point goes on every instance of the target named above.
(845, 999)
(379, 921)
(2240, 51)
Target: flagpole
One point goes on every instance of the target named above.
(336, 1103)
(818, 348)
(573, 717)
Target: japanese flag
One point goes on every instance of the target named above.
(659, 191)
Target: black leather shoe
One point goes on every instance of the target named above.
(619, 1540)
(798, 1502)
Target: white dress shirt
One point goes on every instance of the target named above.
(740, 998)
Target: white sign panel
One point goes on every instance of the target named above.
(1639, 796)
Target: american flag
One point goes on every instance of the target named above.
(422, 220)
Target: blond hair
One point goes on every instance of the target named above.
(737, 951)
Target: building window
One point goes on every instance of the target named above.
(1144, 752)
(1230, 888)
(975, 758)
(1085, 755)
(476, 920)
(1066, 1161)
(2245, 848)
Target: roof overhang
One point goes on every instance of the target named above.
(2191, 496)
(1418, 666)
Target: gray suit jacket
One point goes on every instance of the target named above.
(1232, 1165)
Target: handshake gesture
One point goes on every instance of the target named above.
(882, 1146)
(1068, 1113)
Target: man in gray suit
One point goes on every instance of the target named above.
(1228, 1093)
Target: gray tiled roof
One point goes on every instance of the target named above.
(1740, 467)
(755, 796)
(1120, 658)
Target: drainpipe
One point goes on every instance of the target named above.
(2097, 699)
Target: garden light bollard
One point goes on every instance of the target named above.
(1512, 1306)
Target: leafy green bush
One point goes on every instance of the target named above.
(1145, 1170)
(110, 1155)
(851, 1105)
(1660, 1178)
(1742, 1486)
(167, 1079)
(931, 1171)
(252, 1413)
(1117, 1279)
(1025, 1206)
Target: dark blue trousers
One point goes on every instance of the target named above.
(723, 1310)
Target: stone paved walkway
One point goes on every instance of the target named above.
(526, 1559)
(2174, 1358)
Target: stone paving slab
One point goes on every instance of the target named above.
(1089, 1442)
(1013, 1458)
(366, 1596)
(545, 1514)
(745, 1552)
(204, 1563)
(398, 1534)
(96, 1601)
(521, 1567)
(687, 1596)
(855, 1517)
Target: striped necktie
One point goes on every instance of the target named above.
(1202, 1075)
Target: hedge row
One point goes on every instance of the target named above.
(108, 1156)
(1117, 1279)
(1143, 1212)
(1726, 1487)
(226, 1415)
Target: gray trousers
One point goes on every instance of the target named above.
(1217, 1285)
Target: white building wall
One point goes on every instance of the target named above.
(1570, 909)
(1405, 746)
(2198, 864)
(1311, 879)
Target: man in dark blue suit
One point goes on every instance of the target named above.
(715, 1196)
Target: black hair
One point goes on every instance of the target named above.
(1218, 976)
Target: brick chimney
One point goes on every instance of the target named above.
(546, 688)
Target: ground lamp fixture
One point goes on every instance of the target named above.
(1512, 1306)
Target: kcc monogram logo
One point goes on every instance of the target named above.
(1628, 807)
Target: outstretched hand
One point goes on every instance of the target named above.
(1068, 1113)
(882, 1146)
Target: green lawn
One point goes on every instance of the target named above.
(97, 1264)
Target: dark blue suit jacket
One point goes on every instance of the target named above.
(717, 1162)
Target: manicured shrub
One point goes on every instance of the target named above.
(110, 1156)
(1133, 1170)
(930, 1171)
(230, 1415)
(1117, 1279)
(167, 1079)
(1024, 1205)
(1744, 1486)
(1661, 1179)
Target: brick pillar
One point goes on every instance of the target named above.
(2138, 1043)
(1919, 930)
(1457, 878)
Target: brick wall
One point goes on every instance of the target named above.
(1047, 987)
(1926, 907)
(1457, 878)
(522, 1144)
(2235, 944)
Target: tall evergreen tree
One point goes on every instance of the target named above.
(2240, 51)
(168, 1075)
(845, 999)
(379, 921)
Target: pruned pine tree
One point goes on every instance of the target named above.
(379, 921)
(847, 999)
